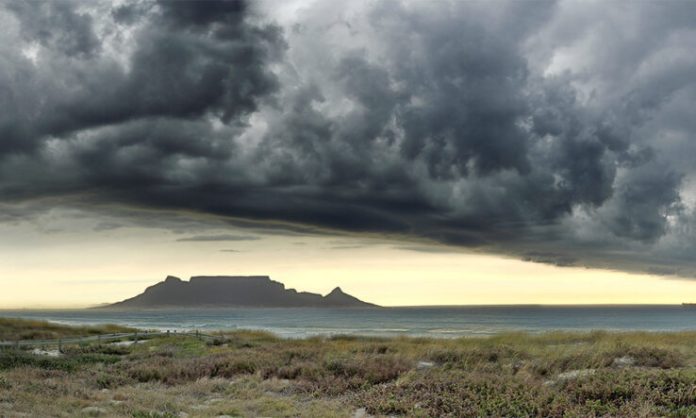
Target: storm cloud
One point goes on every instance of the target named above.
(556, 132)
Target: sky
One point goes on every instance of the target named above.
(411, 152)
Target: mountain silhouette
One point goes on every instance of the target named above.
(219, 291)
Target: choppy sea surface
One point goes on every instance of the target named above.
(448, 322)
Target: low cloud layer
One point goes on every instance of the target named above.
(220, 237)
(556, 132)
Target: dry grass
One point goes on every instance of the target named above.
(12, 329)
(256, 374)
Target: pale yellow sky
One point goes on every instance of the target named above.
(78, 266)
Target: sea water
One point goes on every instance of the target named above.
(446, 322)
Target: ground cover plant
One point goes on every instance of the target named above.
(12, 329)
(250, 373)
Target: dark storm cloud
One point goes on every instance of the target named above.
(527, 129)
(56, 25)
(201, 15)
(643, 203)
(183, 66)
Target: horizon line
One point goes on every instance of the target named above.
(475, 305)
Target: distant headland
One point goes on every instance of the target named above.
(224, 291)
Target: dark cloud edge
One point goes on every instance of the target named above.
(170, 220)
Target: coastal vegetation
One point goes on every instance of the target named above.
(12, 329)
(251, 373)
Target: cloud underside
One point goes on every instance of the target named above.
(555, 132)
(219, 237)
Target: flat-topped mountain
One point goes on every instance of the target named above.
(219, 291)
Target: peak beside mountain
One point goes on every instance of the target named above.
(221, 291)
(338, 297)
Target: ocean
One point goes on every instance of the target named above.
(447, 322)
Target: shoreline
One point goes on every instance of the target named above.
(294, 323)
(380, 307)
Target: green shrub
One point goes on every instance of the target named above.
(10, 359)
(4, 384)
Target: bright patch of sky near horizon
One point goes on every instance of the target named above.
(64, 264)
